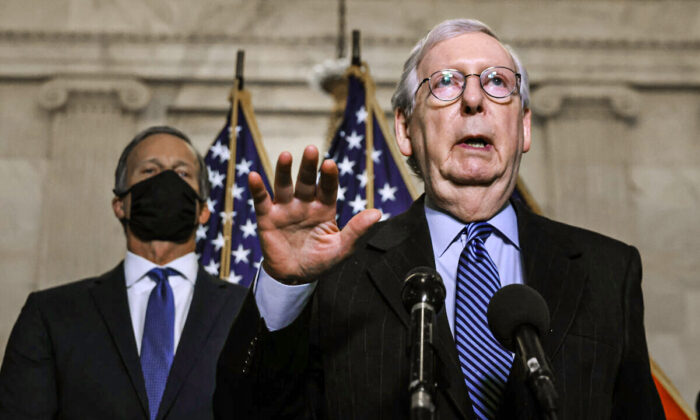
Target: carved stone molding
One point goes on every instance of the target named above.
(622, 43)
(547, 101)
(180, 38)
(590, 42)
(133, 95)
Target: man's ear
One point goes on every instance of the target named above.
(118, 207)
(204, 213)
(527, 125)
(403, 137)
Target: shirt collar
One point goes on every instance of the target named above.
(506, 224)
(136, 267)
(445, 229)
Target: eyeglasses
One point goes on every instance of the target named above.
(449, 84)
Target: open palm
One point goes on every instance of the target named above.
(298, 233)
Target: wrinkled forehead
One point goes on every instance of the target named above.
(470, 52)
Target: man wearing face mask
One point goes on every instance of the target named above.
(140, 341)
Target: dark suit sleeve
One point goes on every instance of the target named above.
(263, 374)
(635, 394)
(27, 377)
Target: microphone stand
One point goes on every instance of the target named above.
(423, 295)
(422, 385)
(538, 373)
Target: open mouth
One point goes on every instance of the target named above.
(476, 142)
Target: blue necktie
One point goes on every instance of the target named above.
(485, 364)
(158, 337)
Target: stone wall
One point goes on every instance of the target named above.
(616, 99)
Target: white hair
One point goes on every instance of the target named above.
(403, 98)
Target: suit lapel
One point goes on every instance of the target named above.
(210, 294)
(406, 243)
(109, 294)
(552, 267)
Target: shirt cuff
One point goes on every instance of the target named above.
(278, 303)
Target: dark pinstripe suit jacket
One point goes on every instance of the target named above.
(346, 356)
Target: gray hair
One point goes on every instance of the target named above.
(120, 186)
(404, 98)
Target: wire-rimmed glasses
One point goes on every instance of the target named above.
(448, 84)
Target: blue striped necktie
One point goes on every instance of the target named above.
(158, 337)
(485, 364)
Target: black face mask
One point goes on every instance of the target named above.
(163, 207)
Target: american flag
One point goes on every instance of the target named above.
(392, 190)
(244, 246)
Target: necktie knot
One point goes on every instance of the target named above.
(478, 230)
(159, 274)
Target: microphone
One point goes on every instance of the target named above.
(517, 316)
(423, 295)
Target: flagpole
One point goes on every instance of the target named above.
(234, 98)
(247, 108)
(393, 148)
(527, 196)
(369, 125)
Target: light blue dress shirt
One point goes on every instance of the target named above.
(448, 241)
(280, 305)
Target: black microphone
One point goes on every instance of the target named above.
(423, 295)
(517, 316)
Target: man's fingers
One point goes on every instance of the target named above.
(327, 190)
(305, 189)
(356, 227)
(261, 199)
(283, 178)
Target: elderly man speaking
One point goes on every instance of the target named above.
(326, 331)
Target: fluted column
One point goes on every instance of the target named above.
(587, 135)
(91, 120)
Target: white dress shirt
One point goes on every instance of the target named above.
(139, 287)
(280, 305)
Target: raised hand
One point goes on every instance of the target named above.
(297, 230)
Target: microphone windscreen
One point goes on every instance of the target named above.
(515, 305)
(423, 284)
